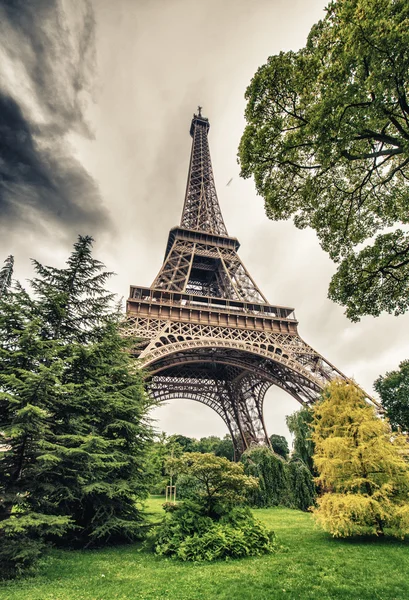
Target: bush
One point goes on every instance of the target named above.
(188, 534)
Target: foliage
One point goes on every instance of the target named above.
(189, 535)
(299, 424)
(162, 448)
(6, 274)
(271, 471)
(302, 492)
(22, 541)
(221, 483)
(327, 142)
(279, 445)
(361, 467)
(393, 389)
(280, 482)
(29, 384)
(174, 445)
(73, 408)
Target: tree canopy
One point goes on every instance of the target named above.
(393, 389)
(361, 467)
(327, 141)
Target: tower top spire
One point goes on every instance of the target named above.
(201, 209)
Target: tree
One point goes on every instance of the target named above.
(327, 141)
(215, 525)
(279, 445)
(393, 389)
(99, 433)
(6, 274)
(272, 474)
(29, 383)
(361, 467)
(81, 457)
(299, 424)
(222, 484)
(225, 448)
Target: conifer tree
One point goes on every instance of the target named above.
(6, 274)
(27, 391)
(361, 466)
(99, 433)
(72, 410)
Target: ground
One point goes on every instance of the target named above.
(311, 566)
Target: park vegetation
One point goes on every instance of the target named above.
(362, 467)
(327, 142)
(73, 415)
(214, 523)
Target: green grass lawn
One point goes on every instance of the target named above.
(313, 566)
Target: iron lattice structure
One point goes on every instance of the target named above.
(206, 331)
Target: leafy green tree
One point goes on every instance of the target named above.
(222, 484)
(302, 492)
(225, 448)
(327, 142)
(216, 524)
(280, 482)
(6, 274)
(299, 424)
(280, 445)
(361, 467)
(208, 444)
(186, 443)
(393, 389)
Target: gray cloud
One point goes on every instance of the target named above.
(46, 61)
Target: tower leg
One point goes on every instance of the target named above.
(246, 396)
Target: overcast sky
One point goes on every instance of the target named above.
(95, 108)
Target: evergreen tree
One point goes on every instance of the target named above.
(99, 433)
(28, 388)
(73, 409)
(6, 274)
(361, 466)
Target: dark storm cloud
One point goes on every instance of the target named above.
(47, 59)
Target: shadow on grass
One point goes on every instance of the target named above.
(370, 540)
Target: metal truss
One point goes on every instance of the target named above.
(205, 332)
(201, 210)
(206, 270)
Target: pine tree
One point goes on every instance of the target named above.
(6, 274)
(27, 390)
(72, 413)
(361, 466)
(99, 432)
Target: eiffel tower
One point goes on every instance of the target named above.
(206, 332)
